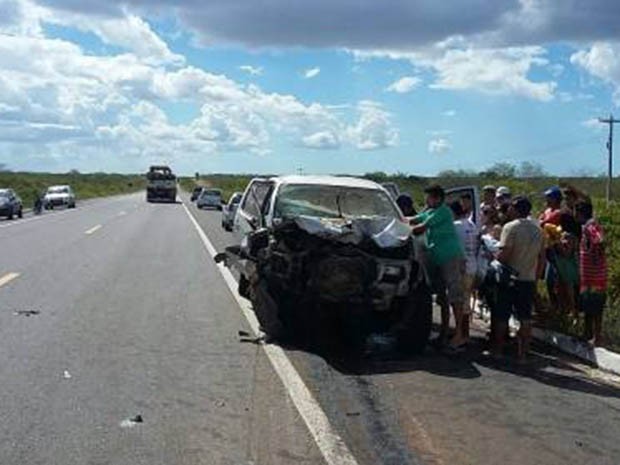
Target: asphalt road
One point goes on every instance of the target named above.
(132, 317)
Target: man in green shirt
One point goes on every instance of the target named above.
(445, 259)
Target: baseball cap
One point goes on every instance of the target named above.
(554, 192)
(489, 187)
(502, 191)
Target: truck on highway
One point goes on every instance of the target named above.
(161, 184)
(319, 253)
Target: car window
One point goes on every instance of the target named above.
(211, 193)
(255, 202)
(333, 202)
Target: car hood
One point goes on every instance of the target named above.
(384, 232)
(56, 196)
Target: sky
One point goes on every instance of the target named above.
(282, 86)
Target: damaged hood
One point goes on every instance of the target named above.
(384, 232)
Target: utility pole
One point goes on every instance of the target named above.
(610, 142)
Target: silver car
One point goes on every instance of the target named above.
(210, 198)
(229, 210)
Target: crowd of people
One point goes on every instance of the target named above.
(498, 259)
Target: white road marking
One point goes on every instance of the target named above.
(7, 278)
(331, 445)
(93, 229)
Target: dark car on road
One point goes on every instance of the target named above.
(10, 204)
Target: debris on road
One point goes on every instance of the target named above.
(131, 422)
(243, 333)
(66, 375)
(26, 312)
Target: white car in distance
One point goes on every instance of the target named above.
(59, 196)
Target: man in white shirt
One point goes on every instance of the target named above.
(467, 232)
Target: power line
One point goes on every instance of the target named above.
(610, 121)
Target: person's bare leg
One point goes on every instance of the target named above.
(458, 338)
(598, 329)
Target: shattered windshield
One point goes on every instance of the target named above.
(333, 202)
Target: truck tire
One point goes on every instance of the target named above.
(415, 331)
(20, 213)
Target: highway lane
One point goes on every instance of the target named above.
(131, 319)
(466, 409)
(135, 319)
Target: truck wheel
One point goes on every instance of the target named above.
(417, 320)
(20, 213)
(10, 216)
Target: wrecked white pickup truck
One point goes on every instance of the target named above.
(321, 252)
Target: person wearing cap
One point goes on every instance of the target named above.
(488, 196)
(520, 248)
(553, 200)
(445, 257)
(503, 197)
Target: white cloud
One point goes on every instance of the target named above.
(459, 65)
(321, 140)
(449, 113)
(374, 129)
(252, 70)
(311, 73)
(439, 146)
(130, 33)
(90, 110)
(594, 124)
(493, 71)
(601, 60)
(404, 84)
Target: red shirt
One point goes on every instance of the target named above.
(592, 261)
(550, 215)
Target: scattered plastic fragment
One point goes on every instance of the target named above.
(131, 422)
(66, 375)
(26, 312)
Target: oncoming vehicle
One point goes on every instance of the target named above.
(10, 204)
(59, 196)
(209, 198)
(323, 253)
(161, 184)
(229, 210)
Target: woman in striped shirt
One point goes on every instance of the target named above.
(592, 271)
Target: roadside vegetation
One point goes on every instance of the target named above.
(529, 180)
(85, 186)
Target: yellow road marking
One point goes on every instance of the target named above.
(7, 278)
(93, 229)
